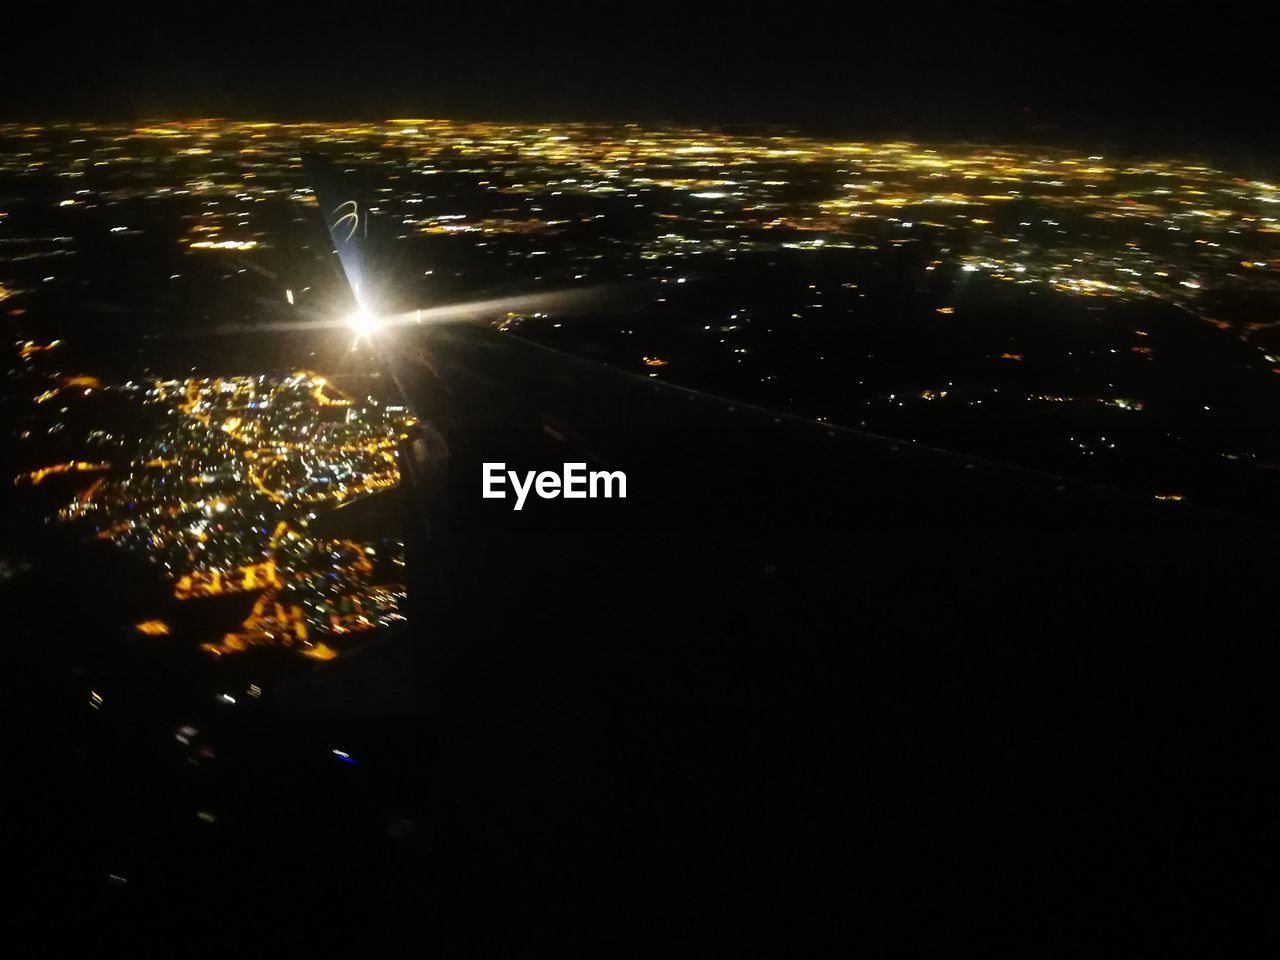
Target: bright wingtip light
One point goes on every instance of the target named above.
(363, 323)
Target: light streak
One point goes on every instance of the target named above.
(559, 301)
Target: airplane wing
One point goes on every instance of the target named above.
(346, 219)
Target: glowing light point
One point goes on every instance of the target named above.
(363, 323)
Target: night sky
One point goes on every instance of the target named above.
(1145, 75)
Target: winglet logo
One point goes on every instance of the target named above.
(351, 218)
(574, 482)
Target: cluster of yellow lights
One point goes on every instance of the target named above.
(36, 477)
(212, 583)
(29, 348)
(243, 409)
(223, 245)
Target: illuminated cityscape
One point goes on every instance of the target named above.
(222, 497)
(1037, 305)
(1163, 228)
